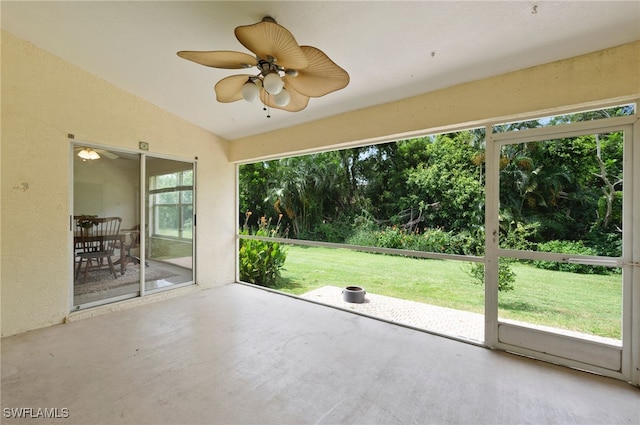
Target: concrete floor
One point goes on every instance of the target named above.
(236, 354)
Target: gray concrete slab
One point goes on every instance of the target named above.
(239, 355)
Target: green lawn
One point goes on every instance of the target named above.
(585, 303)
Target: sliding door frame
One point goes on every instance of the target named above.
(142, 292)
(143, 219)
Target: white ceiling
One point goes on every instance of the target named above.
(391, 49)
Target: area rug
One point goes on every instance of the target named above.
(100, 280)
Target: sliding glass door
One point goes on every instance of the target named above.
(170, 223)
(106, 183)
(149, 205)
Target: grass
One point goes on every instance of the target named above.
(583, 303)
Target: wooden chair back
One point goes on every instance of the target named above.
(99, 234)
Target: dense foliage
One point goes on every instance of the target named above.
(427, 193)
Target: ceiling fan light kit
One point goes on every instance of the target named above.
(88, 154)
(272, 83)
(250, 91)
(282, 98)
(288, 74)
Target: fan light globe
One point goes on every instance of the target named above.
(250, 91)
(273, 84)
(282, 98)
(89, 154)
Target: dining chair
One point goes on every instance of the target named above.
(132, 243)
(77, 242)
(99, 237)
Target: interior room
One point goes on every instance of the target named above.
(121, 221)
(110, 188)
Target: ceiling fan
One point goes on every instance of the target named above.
(288, 74)
(86, 153)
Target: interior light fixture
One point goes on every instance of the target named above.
(88, 154)
(282, 98)
(250, 91)
(273, 84)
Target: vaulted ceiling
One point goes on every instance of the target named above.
(391, 49)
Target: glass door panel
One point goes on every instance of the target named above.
(106, 184)
(170, 222)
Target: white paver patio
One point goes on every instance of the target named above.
(442, 320)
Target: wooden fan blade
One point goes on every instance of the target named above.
(270, 39)
(106, 153)
(321, 77)
(229, 89)
(220, 59)
(297, 103)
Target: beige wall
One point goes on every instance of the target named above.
(101, 188)
(608, 75)
(44, 99)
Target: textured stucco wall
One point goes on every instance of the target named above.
(43, 99)
(580, 81)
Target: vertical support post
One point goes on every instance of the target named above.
(143, 222)
(492, 202)
(237, 220)
(631, 333)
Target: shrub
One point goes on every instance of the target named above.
(516, 236)
(506, 277)
(430, 240)
(471, 242)
(391, 237)
(363, 237)
(436, 240)
(604, 243)
(569, 247)
(519, 235)
(336, 232)
(261, 261)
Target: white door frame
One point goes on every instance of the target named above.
(621, 362)
(143, 156)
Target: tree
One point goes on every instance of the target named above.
(448, 189)
(564, 187)
(253, 186)
(313, 190)
(383, 170)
